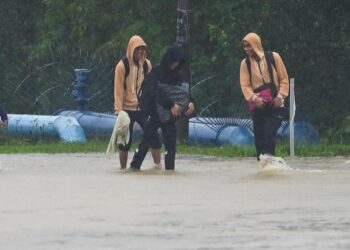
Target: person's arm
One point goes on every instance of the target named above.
(282, 76)
(119, 76)
(283, 81)
(191, 107)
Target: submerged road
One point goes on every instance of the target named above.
(83, 201)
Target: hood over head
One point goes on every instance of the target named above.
(255, 41)
(134, 42)
(173, 54)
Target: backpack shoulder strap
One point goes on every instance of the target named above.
(247, 61)
(270, 60)
(127, 69)
(145, 68)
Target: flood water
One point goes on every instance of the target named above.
(83, 201)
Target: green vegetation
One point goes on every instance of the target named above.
(42, 41)
(323, 150)
(28, 146)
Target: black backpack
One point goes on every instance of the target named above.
(127, 69)
(147, 93)
(270, 61)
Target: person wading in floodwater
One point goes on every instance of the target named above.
(264, 83)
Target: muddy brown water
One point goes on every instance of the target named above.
(83, 201)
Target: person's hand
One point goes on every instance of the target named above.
(4, 123)
(176, 110)
(190, 109)
(260, 102)
(278, 102)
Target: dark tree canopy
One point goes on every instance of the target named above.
(43, 41)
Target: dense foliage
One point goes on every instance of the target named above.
(43, 41)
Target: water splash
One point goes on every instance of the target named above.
(270, 165)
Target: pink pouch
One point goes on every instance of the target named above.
(265, 94)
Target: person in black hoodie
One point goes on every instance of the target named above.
(164, 99)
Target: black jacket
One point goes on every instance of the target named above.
(163, 74)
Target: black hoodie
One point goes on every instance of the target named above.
(172, 76)
(162, 74)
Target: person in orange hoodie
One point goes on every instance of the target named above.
(129, 74)
(265, 86)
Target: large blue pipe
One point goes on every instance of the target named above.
(234, 135)
(98, 125)
(304, 133)
(220, 131)
(65, 128)
(95, 125)
(202, 134)
(239, 132)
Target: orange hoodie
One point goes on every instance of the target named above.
(127, 99)
(280, 75)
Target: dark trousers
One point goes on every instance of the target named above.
(265, 124)
(151, 139)
(135, 116)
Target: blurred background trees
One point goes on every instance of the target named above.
(43, 41)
